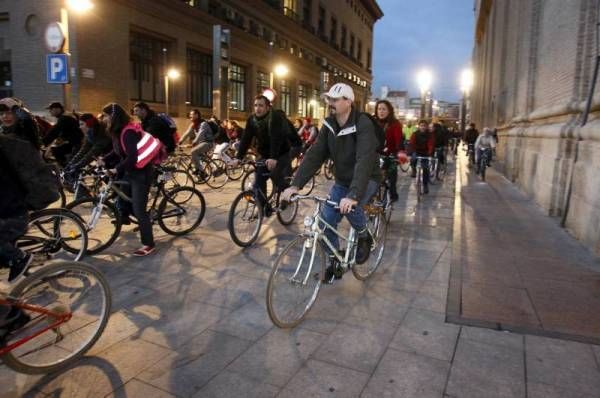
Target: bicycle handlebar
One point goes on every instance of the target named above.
(318, 199)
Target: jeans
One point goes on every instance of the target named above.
(424, 166)
(10, 230)
(138, 190)
(441, 154)
(199, 150)
(479, 154)
(278, 175)
(391, 170)
(357, 218)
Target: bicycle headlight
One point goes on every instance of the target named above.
(308, 221)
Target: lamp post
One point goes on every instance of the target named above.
(466, 79)
(172, 74)
(281, 71)
(69, 47)
(424, 79)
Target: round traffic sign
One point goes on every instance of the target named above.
(55, 37)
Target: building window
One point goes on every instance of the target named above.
(333, 31)
(352, 45)
(262, 81)
(321, 25)
(5, 80)
(237, 86)
(315, 103)
(369, 59)
(344, 37)
(199, 78)
(302, 100)
(286, 96)
(359, 55)
(147, 60)
(306, 12)
(289, 9)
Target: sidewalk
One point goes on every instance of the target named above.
(515, 269)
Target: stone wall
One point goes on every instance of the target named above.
(533, 67)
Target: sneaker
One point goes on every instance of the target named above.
(413, 174)
(426, 189)
(394, 198)
(365, 242)
(333, 271)
(268, 210)
(144, 251)
(19, 267)
(14, 320)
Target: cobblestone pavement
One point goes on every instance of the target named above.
(191, 321)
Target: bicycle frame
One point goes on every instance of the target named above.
(60, 319)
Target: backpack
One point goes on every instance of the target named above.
(149, 148)
(214, 129)
(38, 179)
(379, 131)
(168, 120)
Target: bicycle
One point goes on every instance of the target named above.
(55, 234)
(383, 195)
(298, 271)
(246, 215)
(419, 169)
(471, 154)
(179, 212)
(439, 169)
(484, 162)
(66, 306)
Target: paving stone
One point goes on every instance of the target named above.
(432, 297)
(565, 364)
(425, 333)
(249, 322)
(15, 384)
(320, 379)
(356, 343)
(192, 365)
(403, 374)
(493, 337)
(99, 376)
(229, 384)
(278, 355)
(326, 313)
(175, 329)
(539, 390)
(137, 389)
(486, 370)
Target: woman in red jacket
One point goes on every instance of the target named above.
(394, 142)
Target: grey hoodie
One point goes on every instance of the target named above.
(353, 149)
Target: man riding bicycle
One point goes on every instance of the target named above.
(485, 141)
(349, 139)
(270, 128)
(422, 144)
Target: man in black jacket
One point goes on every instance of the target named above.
(155, 125)
(349, 139)
(67, 129)
(270, 129)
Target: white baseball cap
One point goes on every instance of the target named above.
(340, 90)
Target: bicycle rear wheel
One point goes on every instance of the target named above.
(248, 183)
(76, 291)
(287, 216)
(181, 210)
(218, 176)
(377, 224)
(295, 281)
(245, 219)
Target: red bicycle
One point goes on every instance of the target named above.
(65, 307)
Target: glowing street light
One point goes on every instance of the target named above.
(172, 74)
(281, 70)
(466, 80)
(80, 6)
(424, 80)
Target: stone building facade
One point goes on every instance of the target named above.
(534, 63)
(121, 49)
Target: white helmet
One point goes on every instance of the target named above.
(340, 90)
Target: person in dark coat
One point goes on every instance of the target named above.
(67, 130)
(155, 125)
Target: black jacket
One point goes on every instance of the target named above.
(12, 199)
(66, 128)
(270, 132)
(471, 136)
(96, 143)
(353, 149)
(154, 125)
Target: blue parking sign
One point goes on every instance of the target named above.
(57, 68)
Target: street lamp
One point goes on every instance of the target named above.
(172, 74)
(424, 79)
(466, 84)
(80, 6)
(281, 70)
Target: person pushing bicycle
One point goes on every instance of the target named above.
(347, 137)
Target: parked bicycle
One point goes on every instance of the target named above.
(298, 271)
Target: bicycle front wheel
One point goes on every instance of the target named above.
(295, 281)
(69, 304)
(103, 222)
(181, 211)
(287, 215)
(218, 176)
(245, 219)
(377, 224)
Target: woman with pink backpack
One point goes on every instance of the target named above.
(134, 154)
